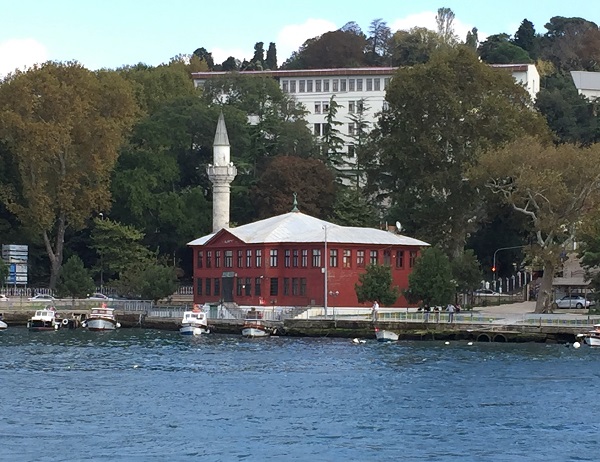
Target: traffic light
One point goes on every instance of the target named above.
(493, 269)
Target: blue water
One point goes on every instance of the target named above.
(144, 395)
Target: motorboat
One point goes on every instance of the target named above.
(194, 323)
(255, 325)
(385, 335)
(101, 319)
(46, 319)
(592, 338)
(3, 325)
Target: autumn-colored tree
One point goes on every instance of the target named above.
(310, 179)
(553, 186)
(64, 125)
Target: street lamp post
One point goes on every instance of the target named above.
(503, 248)
(334, 293)
(101, 215)
(325, 273)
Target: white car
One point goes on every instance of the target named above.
(42, 298)
(3, 298)
(486, 293)
(572, 301)
(99, 296)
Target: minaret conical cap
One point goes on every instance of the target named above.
(221, 138)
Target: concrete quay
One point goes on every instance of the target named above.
(504, 323)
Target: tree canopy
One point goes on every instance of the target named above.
(63, 125)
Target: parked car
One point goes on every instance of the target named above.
(42, 298)
(572, 301)
(486, 293)
(99, 296)
(3, 298)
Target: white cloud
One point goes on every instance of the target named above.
(20, 54)
(427, 19)
(221, 54)
(292, 36)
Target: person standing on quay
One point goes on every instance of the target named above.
(450, 308)
(374, 311)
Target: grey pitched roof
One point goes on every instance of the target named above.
(297, 227)
(584, 80)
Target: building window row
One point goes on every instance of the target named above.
(295, 258)
(336, 85)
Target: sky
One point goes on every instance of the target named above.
(113, 33)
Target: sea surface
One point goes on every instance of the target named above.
(147, 395)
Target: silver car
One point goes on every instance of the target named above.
(572, 301)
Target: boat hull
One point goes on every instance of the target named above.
(593, 341)
(3, 325)
(386, 336)
(193, 330)
(254, 332)
(42, 326)
(100, 324)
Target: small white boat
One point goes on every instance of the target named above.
(3, 325)
(592, 338)
(101, 319)
(255, 325)
(44, 320)
(385, 335)
(194, 323)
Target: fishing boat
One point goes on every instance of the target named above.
(45, 320)
(385, 335)
(194, 322)
(255, 325)
(592, 338)
(101, 319)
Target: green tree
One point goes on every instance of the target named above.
(156, 86)
(151, 281)
(331, 143)
(440, 115)
(498, 49)
(271, 60)
(527, 39)
(64, 125)
(74, 280)
(553, 186)
(431, 279)
(376, 284)
(466, 271)
(3, 272)
(351, 208)
(205, 56)
(310, 179)
(588, 235)
(340, 48)
(571, 44)
(569, 115)
(357, 151)
(415, 46)
(378, 43)
(472, 39)
(445, 26)
(119, 248)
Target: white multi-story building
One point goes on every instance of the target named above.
(351, 88)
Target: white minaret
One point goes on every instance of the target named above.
(221, 173)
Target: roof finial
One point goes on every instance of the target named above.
(295, 208)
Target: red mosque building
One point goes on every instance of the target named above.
(296, 260)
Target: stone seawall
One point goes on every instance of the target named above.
(350, 328)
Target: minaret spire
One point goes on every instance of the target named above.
(221, 173)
